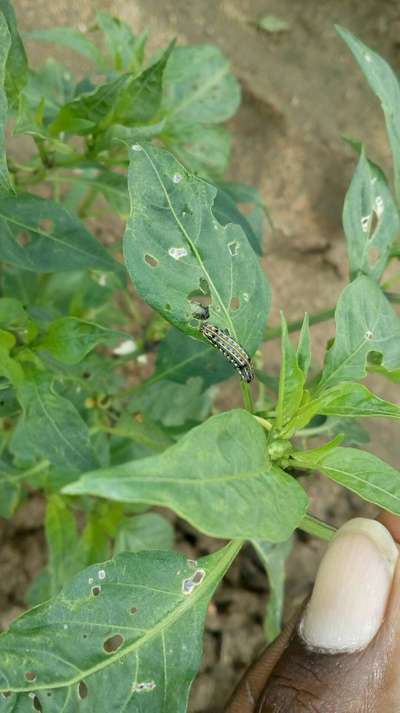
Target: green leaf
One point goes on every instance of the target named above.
(62, 542)
(51, 427)
(385, 86)
(217, 467)
(12, 313)
(10, 489)
(85, 113)
(69, 339)
(71, 38)
(5, 44)
(273, 24)
(370, 219)
(180, 358)
(9, 367)
(355, 400)
(347, 400)
(365, 322)
(174, 247)
(126, 50)
(171, 403)
(199, 87)
(361, 472)
(149, 531)
(127, 99)
(313, 457)
(273, 557)
(303, 353)
(141, 101)
(17, 65)
(226, 211)
(142, 430)
(40, 235)
(119, 629)
(291, 380)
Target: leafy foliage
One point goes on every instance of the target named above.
(109, 407)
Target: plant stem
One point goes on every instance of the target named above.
(246, 395)
(87, 202)
(317, 527)
(264, 423)
(295, 326)
(44, 157)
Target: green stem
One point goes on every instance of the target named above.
(246, 395)
(44, 157)
(295, 326)
(87, 202)
(317, 527)
(264, 423)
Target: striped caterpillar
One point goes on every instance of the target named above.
(222, 340)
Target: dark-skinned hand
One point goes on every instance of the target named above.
(341, 653)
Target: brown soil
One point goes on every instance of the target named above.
(301, 91)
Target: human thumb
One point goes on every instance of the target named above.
(341, 654)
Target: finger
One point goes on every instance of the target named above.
(331, 665)
(253, 682)
(391, 522)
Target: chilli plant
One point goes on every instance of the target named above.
(145, 139)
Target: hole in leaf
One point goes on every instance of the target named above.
(24, 239)
(167, 307)
(245, 208)
(133, 610)
(30, 676)
(375, 358)
(82, 690)
(373, 225)
(86, 375)
(6, 694)
(46, 224)
(198, 298)
(113, 643)
(151, 260)
(36, 704)
(234, 304)
(233, 248)
(96, 590)
(84, 636)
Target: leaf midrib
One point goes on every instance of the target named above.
(214, 576)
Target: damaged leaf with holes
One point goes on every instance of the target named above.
(129, 631)
(177, 253)
(370, 219)
(41, 235)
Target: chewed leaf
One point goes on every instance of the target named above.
(370, 219)
(176, 252)
(41, 235)
(365, 322)
(124, 635)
